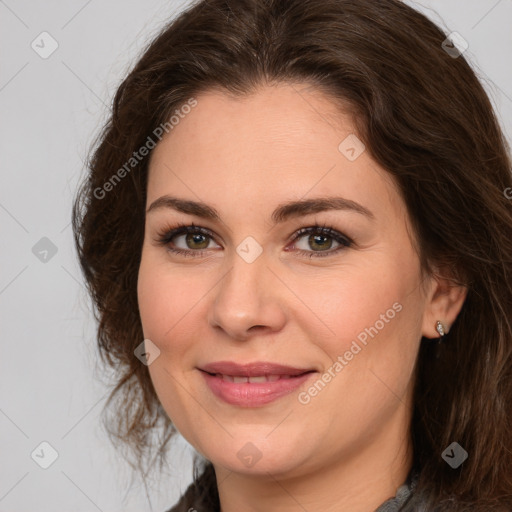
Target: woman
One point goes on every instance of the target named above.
(297, 237)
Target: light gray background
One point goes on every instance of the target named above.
(50, 111)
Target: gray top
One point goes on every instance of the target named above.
(403, 493)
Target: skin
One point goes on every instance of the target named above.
(349, 448)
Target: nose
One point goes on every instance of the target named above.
(248, 300)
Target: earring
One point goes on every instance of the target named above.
(440, 346)
(440, 329)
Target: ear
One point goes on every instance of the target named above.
(443, 303)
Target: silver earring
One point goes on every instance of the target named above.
(440, 329)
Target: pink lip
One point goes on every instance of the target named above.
(283, 380)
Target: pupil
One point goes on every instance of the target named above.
(317, 239)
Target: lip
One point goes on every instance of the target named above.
(284, 379)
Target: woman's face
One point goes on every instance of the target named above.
(326, 324)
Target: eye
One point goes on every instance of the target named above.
(194, 241)
(321, 240)
(186, 240)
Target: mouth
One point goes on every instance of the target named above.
(239, 379)
(254, 384)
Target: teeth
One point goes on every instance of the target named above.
(258, 379)
(253, 380)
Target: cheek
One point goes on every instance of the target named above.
(375, 319)
(155, 300)
(364, 301)
(165, 300)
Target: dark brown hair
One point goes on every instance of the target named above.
(425, 118)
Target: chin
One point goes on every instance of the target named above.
(258, 456)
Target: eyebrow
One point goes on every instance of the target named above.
(282, 213)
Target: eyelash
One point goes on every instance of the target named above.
(165, 236)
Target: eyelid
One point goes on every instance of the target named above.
(344, 241)
(167, 233)
(324, 229)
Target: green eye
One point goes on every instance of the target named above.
(319, 241)
(196, 240)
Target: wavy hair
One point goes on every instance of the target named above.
(424, 117)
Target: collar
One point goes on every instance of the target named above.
(403, 493)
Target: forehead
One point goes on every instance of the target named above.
(287, 116)
(279, 143)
